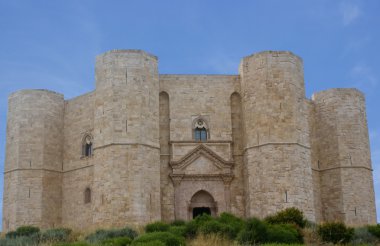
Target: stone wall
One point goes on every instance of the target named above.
(32, 179)
(277, 145)
(126, 132)
(267, 147)
(77, 168)
(342, 147)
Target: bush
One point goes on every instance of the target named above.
(375, 230)
(288, 216)
(117, 241)
(23, 231)
(56, 235)
(11, 234)
(192, 227)
(232, 225)
(363, 236)
(27, 230)
(283, 233)
(20, 241)
(157, 226)
(165, 237)
(254, 231)
(73, 244)
(211, 227)
(151, 243)
(101, 235)
(335, 232)
(178, 230)
(178, 223)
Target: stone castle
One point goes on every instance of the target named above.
(145, 146)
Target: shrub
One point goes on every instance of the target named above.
(232, 225)
(254, 231)
(335, 232)
(283, 233)
(193, 226)
(11, 234)
(23, 231)
(164, 237)
(178, 230)
(191, 229)
(56, 235)
(288, 216)
(375, 230)
(117, 241)
(27, 230)
(73, 244)
(151, 243)
(211, 227)
(178, 223)
(20, 241)
(362, 235)
(157, 226)
(101, 235)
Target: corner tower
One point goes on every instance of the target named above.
(126, 139)
(344, 157)
(33, 164)
(277, 145)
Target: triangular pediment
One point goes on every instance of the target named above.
(203, 159)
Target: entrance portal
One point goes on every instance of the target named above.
(202, 203)
(201, 210)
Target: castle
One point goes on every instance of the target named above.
(145, 146)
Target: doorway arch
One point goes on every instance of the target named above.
(202, 202)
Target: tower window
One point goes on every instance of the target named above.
(87, 146)
(87, 195)
(200, 130)
(200, 134)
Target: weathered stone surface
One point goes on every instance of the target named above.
(267, 147)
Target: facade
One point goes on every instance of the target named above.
(145, 146)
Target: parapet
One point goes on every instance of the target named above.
(111, 55)
(337, 93)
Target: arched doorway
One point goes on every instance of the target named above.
(202, 202)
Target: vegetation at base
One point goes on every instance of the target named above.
(178, 223)
(23, 231)
(335, 232)
(283, 233)
(117, 241)
(102, 235)
(167, 238)
(255, 231)
(73, 244)
(157, 226)
(178, 230)
(363, 236)
(375, 230)
(288, 216)
(288, 227)
(55, 235)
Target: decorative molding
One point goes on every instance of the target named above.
(197, 142)
(273, 143)
(332, 168)
(194, 154)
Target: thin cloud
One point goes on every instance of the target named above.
(364, 77)
(350, 12)
(221, 63)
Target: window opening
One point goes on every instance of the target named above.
(87, 195)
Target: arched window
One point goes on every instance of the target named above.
(87, 195)
(200, 130)
(87, 146)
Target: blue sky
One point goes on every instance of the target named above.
(53, 44)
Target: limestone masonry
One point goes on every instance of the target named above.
(146, 146)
